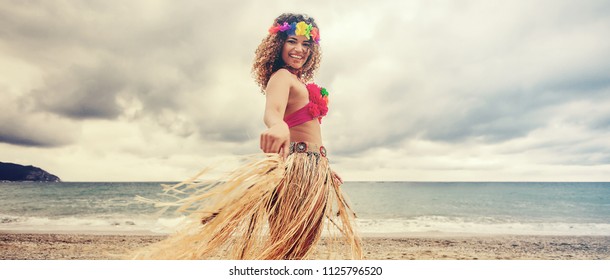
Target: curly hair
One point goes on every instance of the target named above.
(268, 55)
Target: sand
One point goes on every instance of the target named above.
(36, 246)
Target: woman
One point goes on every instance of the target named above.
(277, 206)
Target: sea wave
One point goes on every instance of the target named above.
(481, 225)
(414, 225)
(108, 224)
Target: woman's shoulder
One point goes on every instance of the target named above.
(282, 77)
(282, 74)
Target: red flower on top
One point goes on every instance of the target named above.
(318, 104)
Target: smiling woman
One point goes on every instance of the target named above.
(277, 205)
(270, 53)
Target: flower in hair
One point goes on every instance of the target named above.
(315, 34)
(285, 27)
(292, 28)
(274, 29)
(300, 28)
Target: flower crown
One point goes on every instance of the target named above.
(300, 29)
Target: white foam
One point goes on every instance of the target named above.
(484, 226)
(422, 224)
(90, 224)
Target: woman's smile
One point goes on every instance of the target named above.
(296, 50)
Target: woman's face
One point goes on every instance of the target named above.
(296, 50)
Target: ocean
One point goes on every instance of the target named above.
(394, 208)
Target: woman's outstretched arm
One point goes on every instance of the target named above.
(277, 136)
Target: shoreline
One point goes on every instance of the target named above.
(363, 235)
(440, 246)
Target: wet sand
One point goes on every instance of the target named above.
(53, 246)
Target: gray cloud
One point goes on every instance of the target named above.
(96, 54)
(22, 127)
(82, 93)
(449, 73)
(472, 72)
(14, 133)
(602, 123)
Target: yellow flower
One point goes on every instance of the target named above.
(302, 29)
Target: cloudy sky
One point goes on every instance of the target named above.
(420, 90)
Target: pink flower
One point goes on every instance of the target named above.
(315, 34)
(312, 88)
(318, 104)
(285, 27)
(323, 110)
(314, 111)
(274, 29)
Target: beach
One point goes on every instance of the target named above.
(397, 220)
(78, 246)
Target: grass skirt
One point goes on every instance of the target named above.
(267, 209)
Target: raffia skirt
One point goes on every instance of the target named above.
(267, 209)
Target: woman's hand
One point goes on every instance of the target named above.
(276, 139)
(337, 179)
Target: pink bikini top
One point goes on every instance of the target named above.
(316, 108)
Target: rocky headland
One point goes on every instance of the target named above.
(16, 172)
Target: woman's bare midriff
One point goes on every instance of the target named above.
(307, 132)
